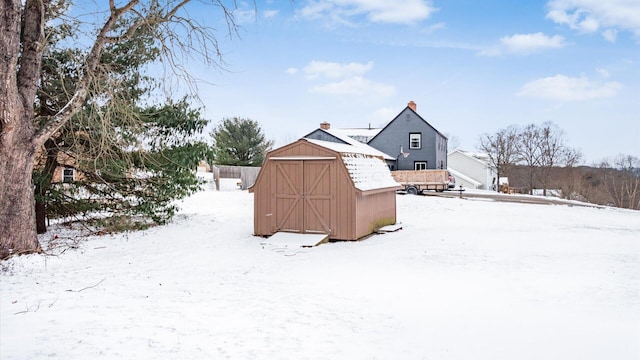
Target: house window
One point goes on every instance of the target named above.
(415, 141)
(68, 175)
(420, 165)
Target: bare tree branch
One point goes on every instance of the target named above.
(501, 148)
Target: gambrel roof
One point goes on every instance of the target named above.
(365, 165)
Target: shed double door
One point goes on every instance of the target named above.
(304, 196)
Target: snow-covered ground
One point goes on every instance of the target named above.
(463, 279)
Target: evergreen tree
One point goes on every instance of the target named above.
(105, 118)
(111, 141)
(140, 175)
(239, 142)
(23, 40)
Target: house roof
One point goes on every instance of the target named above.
(464, 177)
(418, 115)
(365, 166)
(355, 145)
(362, 135)
(479, 157)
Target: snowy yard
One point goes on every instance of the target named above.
(464, 279)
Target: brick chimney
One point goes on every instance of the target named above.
(325, 125)
(412, 105)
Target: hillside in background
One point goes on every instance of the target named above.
(603, 186)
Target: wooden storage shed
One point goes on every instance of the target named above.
(320, 187)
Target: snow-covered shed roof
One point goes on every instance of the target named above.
(368, 173)
(365, 165)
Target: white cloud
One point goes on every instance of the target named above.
(491, 51)
(333, 70)
(378, 11)
(603, 72)
(610, 35)
(524, 44)
(246, 14)
(270, 13)
(291, 71)
(530, 43)
(355, 85)
(343, 79)
(433, 27)
(564, 88)
(589, 16)
(315, 9)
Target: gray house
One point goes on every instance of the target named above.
(409, 141)
(412, 141)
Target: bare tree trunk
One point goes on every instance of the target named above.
(530, 179)
(17, 230)
(41, 214)
(43, 184)
(17, 148)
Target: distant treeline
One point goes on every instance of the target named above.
(598, 185)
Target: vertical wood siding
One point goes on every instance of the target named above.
(315, 196)
(375, 211)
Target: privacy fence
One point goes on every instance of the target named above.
(246, 174)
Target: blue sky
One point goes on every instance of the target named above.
(471, 66)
